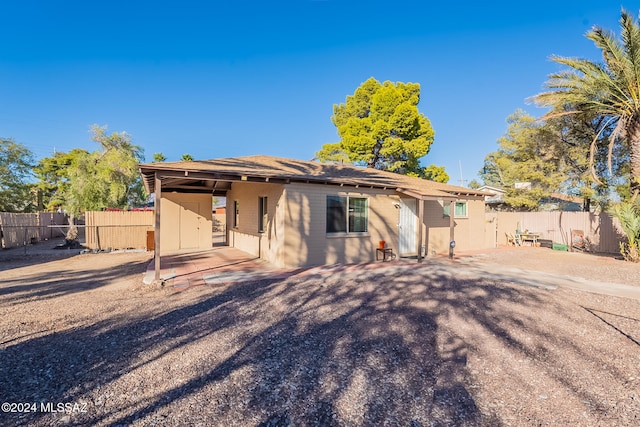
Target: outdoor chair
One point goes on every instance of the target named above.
(578, 240)
(512, 241)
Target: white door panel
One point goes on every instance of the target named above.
(407, 228)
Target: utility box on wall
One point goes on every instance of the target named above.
(151, 242)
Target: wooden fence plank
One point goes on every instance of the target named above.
(118, 229)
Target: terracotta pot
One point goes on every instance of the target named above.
(382, 244)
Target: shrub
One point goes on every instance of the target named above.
(629, 215)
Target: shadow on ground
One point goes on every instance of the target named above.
(16, 257)
(361, 347)
(48, 283)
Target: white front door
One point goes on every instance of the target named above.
(407, 228)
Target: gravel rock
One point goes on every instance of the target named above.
(397, 344)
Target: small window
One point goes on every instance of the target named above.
(263, 214)
(460, 209)
(236, 214)
(336, 214)
(358, 218)
(347, 214)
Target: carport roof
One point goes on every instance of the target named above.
(215, 176)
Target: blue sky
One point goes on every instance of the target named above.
(224, 78)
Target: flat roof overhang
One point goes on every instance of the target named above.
(189, 181)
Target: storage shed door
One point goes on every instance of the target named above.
(407, 228)
(189, 225)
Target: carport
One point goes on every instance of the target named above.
(164, 178)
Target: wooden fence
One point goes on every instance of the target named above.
(18, 229)
(118, 229)
(53, 225)
(602, 231)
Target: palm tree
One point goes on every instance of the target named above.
(609, 90)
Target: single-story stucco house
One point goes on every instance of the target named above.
(296, 213)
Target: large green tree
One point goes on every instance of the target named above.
(579, 157)
(16, 162)
(380, 126)
(526, 154)
(53, 177)
(609, 89)
(108, 177)
(554, 156)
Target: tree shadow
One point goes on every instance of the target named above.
(363, 346)
(35, 254)
(48, 284)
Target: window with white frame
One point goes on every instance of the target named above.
(460, 210)
(346, 214)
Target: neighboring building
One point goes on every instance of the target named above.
(494, 200)
(522, 185)
(297, 213)
(562, 202)
(495, 195)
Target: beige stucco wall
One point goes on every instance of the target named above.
(469, 231)
(219, 222)
(186, 221)
(269, 245)
(306, 239)
(296, 231)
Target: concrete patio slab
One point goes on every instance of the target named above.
(213, 267)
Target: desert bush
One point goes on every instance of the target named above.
(628, 213)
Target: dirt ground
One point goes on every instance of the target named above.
(84, 342)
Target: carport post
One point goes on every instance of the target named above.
(420, 225)
(156, 233)
(452, 224)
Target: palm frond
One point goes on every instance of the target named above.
(613, 52)
(609, 89)
(631, 41)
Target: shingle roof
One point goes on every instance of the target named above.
(275, 169)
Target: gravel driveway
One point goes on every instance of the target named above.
(83, 342)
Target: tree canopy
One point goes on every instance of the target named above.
(553, 156)
(53, 177)
(380, 126)
(436, 173)
(526, 155)
(579, 157)
(609, 90)
(16, 162)
(159, 157)
(81, 181)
